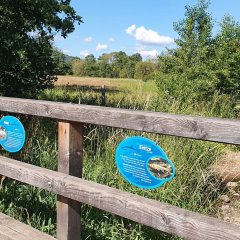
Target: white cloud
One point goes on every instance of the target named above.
(148, 53)
(148, 36)
(131, 29)
(85, 53)
(66, 51)
(101, 47)
(88, 39)
(111, 39)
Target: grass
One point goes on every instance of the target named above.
(129, 85)
(191, 158)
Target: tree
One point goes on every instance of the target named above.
(78, 67)
(104, 69)
(227, 51)
(90, 66)
(61, 67)
(105, 65)
(144, 70)
(195, 34)
(118, 64)
(131, 64)
(27, 29)
(136, 57)
(188, 69)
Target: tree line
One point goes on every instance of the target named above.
(108, 65)
(200, 64)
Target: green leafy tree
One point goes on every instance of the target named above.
(27, 29)
(90, 66)
(144, 70)
(104, 69)
(188, 69)
(119, 62)
(78, 67)
(227, 50)
(61, 66)
(108, 65)
(105, 65)
(195, 35)
(136, 57)
(131, 64)
(123, 65)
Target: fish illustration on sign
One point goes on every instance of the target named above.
(160, 168)
(2, 133)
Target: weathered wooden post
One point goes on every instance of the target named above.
(103, 95)
(70, 157)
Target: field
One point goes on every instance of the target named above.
(124, 93)
(132, 86)
(193, 159)
(117, 84)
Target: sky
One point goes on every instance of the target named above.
(143, 26)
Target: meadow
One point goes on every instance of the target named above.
(195, 187)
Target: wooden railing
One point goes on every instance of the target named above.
(72, 190)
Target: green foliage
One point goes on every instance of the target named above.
(78, 67)
(61, 66)
(90, 67)
(131, 65)
(227, 49)
(144, 70)
(112, 65)
(187, 70)
(26, 32)
(202, 63)
(104, 69)
(195, 33)
(119, 62)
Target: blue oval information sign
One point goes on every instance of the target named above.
(143, 163)
(12, 134)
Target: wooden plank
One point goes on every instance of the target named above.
(211, 129)
(70, 151)
(164, 217)
(11, 229)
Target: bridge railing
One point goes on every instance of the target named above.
(72, 190)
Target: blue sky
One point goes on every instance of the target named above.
(144, 26)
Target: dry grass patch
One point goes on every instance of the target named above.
(227, 167)
(93, 81)
(133, 86)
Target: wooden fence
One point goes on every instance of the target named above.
(72, 190)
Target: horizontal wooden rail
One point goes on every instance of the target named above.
(211, 129)
(11, 229)
(164, 217)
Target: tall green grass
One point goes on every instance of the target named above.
(193, 188)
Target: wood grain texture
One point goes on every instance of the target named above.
(11, 229)
(164, 217)
(70, 152)
(211, 129)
